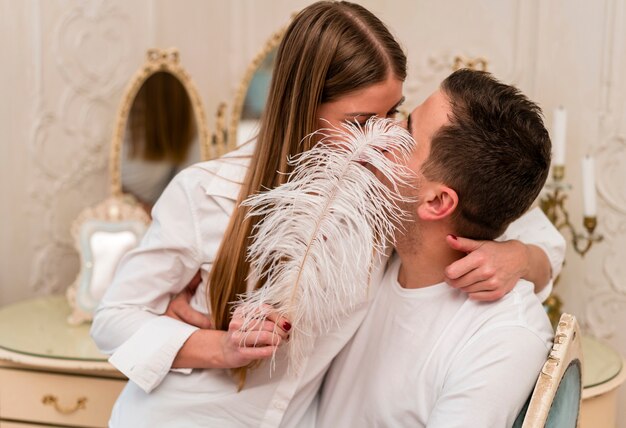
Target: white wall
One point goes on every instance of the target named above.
(65, 64)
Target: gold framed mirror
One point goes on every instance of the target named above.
(160, 128)
(102, 235)
(250, 97)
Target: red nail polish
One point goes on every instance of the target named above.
(286, 326)
(452, 236)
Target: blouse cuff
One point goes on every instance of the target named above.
(147, 357)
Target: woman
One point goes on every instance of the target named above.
(336, 62)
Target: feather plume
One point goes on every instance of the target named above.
(322, 232)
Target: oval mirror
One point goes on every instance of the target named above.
(160, 137)
(160, 129)
(251, 95)
(255, 99)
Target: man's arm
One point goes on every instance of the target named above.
(490, 380)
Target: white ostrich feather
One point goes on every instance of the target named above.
(322, 232)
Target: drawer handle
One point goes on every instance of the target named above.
(52, 400)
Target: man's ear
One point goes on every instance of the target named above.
(438, 202)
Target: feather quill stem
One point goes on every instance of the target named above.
(322, 232)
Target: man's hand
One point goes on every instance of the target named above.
(180, 309)
(489, 270)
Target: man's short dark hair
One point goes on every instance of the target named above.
(495, 153)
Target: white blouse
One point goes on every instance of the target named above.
(189, 221)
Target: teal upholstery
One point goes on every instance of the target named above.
(520, 417)
(565, 406)
(565, 403)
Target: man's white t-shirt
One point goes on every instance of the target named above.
(430, 357)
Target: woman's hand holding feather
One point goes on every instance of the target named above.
(237, 347)
(256, 341)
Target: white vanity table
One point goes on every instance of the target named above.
(604, 371)
(51, 372)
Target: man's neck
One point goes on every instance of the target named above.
(424, 260)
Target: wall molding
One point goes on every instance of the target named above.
(429, 69)
(70, 133)
(610, 152)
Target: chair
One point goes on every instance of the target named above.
(555, 401)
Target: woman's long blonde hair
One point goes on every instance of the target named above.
(330, 49)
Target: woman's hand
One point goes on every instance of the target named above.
(490, 269)
(258, 341)
(235, 347)
(209, 348)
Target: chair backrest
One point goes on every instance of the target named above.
(555, 401)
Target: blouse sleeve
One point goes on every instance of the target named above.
(535, 228)
(129, 323)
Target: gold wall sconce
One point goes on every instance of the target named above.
(479, 63)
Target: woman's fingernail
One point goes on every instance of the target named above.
(452, 236)
(286, 326)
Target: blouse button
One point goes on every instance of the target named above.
(279, 405)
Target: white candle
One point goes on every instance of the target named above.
(589, 187)
(559, 124)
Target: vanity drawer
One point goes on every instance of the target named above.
(68, 400)
(4, 424)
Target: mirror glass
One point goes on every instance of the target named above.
(103, 243)
(160, 138)
(255, 99)
(102, 235)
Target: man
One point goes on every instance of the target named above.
(426, 354)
